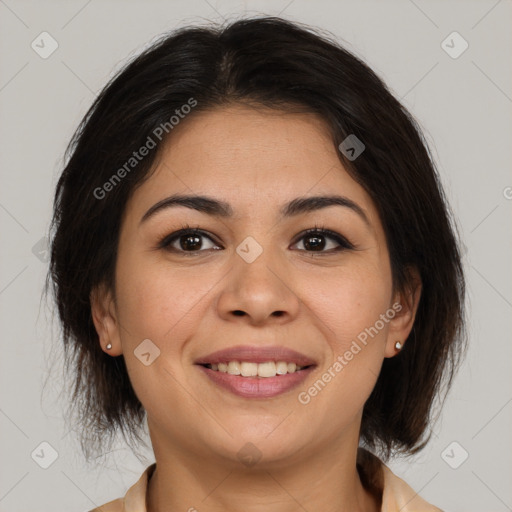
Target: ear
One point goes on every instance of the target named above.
(405, 304)
(105, 319)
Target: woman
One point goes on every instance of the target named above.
(252, 252)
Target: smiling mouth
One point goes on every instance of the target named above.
(263, 370)
(255, 371)
(256, 380)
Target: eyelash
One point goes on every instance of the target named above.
(167, 240)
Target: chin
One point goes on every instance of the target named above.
(254, 445)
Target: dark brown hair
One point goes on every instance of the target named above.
(270, 62)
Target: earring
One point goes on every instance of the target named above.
(398, 345)
(109, 346)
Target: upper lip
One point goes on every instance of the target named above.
(256, 354)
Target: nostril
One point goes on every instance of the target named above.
(238, 313)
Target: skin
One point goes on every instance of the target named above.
(256, 160)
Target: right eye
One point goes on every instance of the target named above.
(186, 241)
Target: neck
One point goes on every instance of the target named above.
(327, 480)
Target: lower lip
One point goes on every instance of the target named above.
(254, 387)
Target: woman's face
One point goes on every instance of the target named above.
(252, 287)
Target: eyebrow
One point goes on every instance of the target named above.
(218, 208)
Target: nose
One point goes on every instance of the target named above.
(258, 292)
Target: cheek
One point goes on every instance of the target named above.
(350, 303)
(158, 301)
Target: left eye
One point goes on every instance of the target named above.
(314, 240)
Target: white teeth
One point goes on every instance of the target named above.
(281, 368)
(245, 369)
(234, 368)
(292, 367)
(267, 369)
(249, 369)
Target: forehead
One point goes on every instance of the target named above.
(252, 158)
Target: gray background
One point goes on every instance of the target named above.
(464, 106)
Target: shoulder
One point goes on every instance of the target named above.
(112, 506)
(134, 499)
(398, 495)
(395, 494)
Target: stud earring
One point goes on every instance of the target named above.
(398, 345)
(109, 346)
